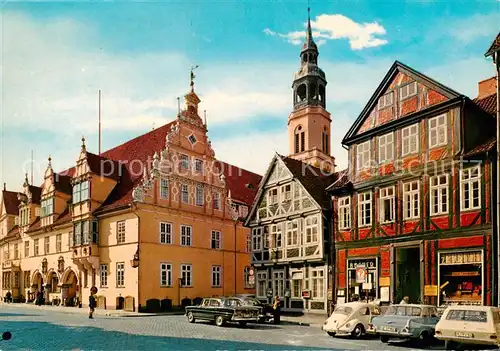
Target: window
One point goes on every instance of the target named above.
(80, 192)
(198, 166)
(120, 274)
(438, 131)
(47, 207)
(410, 139)
(47, 245)
(36, 241)
(345, 212)
(386, 100)
(216, 242)
(165, 274)
(318, 281)
(187, 274)
(58, 243)
(186, 235)
(249, 243)
(85, 232)
(470, 188)
(192, 139)
(272, 196)
(312, 229)
(78, 234)
(120, 232)
(439, 194)
(184, 193)
(302, 141)
(164, 188)
(104, 275)
(411, 200)
(365, 209)
(199, 195)
(261, 284)
(292, 232)
(184, 161)
(256, 239)
(216, 201)
(216, 271)
(363, 155)
(24, 216)
(26, 249)
(408, 90)
(386, 148)
(296, 288)
(286, 192)
(16, 251)
(387, 208)
(165, 233)
(276, 235)
(279, 283)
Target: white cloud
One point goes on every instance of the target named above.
(336, 26)
(476, 26)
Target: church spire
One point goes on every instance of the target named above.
(309, 44)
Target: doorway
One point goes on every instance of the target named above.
(408, 274)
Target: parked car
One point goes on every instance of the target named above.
(351, 318)
(469, 325)
(221, 311)
(266, 310)
(406, 321)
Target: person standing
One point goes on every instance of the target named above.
(92, 302)
(277, 309)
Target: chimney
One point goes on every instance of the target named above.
(487, 87)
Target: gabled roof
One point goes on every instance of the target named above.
(488, 104)
(11, 202)
(341, 182)
(386, 81)
(494, 47)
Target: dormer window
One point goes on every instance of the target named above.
(47, 207)
(81, 192)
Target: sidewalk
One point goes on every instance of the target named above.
(311, 320)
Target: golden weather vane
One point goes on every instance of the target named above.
(193, 76)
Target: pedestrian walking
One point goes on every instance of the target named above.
(92, 302)
(8, 297)
(277, 309)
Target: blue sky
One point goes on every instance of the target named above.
(56, 55)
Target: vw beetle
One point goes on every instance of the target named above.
(351, 318)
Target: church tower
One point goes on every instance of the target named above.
(309, 123)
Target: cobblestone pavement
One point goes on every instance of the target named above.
(51, 330)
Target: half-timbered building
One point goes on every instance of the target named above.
(412, 217)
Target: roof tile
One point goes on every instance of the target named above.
(11, 202)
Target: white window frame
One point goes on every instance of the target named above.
(186, 235)
(344, 211)
(279, 283)
(165, 229)
(47, 207)
(217, 239)
(200, 194)
(387, 198)
(470, 183)
(386, 148)
(58, 243)
(81, 191)
(261, 282)
(365, 206)
(120, 232)
(164, 188)
(411, 200)
(216, 276)
(317, 277)
(184, 193)
(363, 155)
(216, 203)
(187, 272)
(410, 139)
(103, 273)
(46, 245)
(440, 129)
(272, 196)
(257, 238)
(166, 280)
(311, 229)
(120, 274)
(292, 233)
(277, 233)
(286, 195)
(386, 100)
(408, 90)
(438, 191)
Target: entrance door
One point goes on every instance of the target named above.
(408, 274)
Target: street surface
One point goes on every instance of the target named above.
(50, 330)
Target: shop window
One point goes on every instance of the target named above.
(345, 212)
(296, 290)
(470, 188)
(439, 195)
(261, 284)
(461, 275)
(387, 207)
(411, 200)
(279, 283)
(365, 209)
(362, 282)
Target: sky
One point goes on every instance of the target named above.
(57, 55)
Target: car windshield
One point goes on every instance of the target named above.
(343, 310)
(403, 311)
(251, 302)
(232, 303)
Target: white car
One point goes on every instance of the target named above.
(351, 318)
(469, 325)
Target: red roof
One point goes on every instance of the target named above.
(488, 104)
(11, 202)
(494, 47)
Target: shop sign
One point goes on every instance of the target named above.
(360, 274)
(306, 294)
(461, 257)
(367, 264)
(384, 281)
(431, 290)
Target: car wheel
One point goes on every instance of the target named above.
(424, 339)
(219, 321)
(243, 324)
(191, 317)
(384, 338)
(331, 333)
(358, 331)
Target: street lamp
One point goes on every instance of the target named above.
(234, 217)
